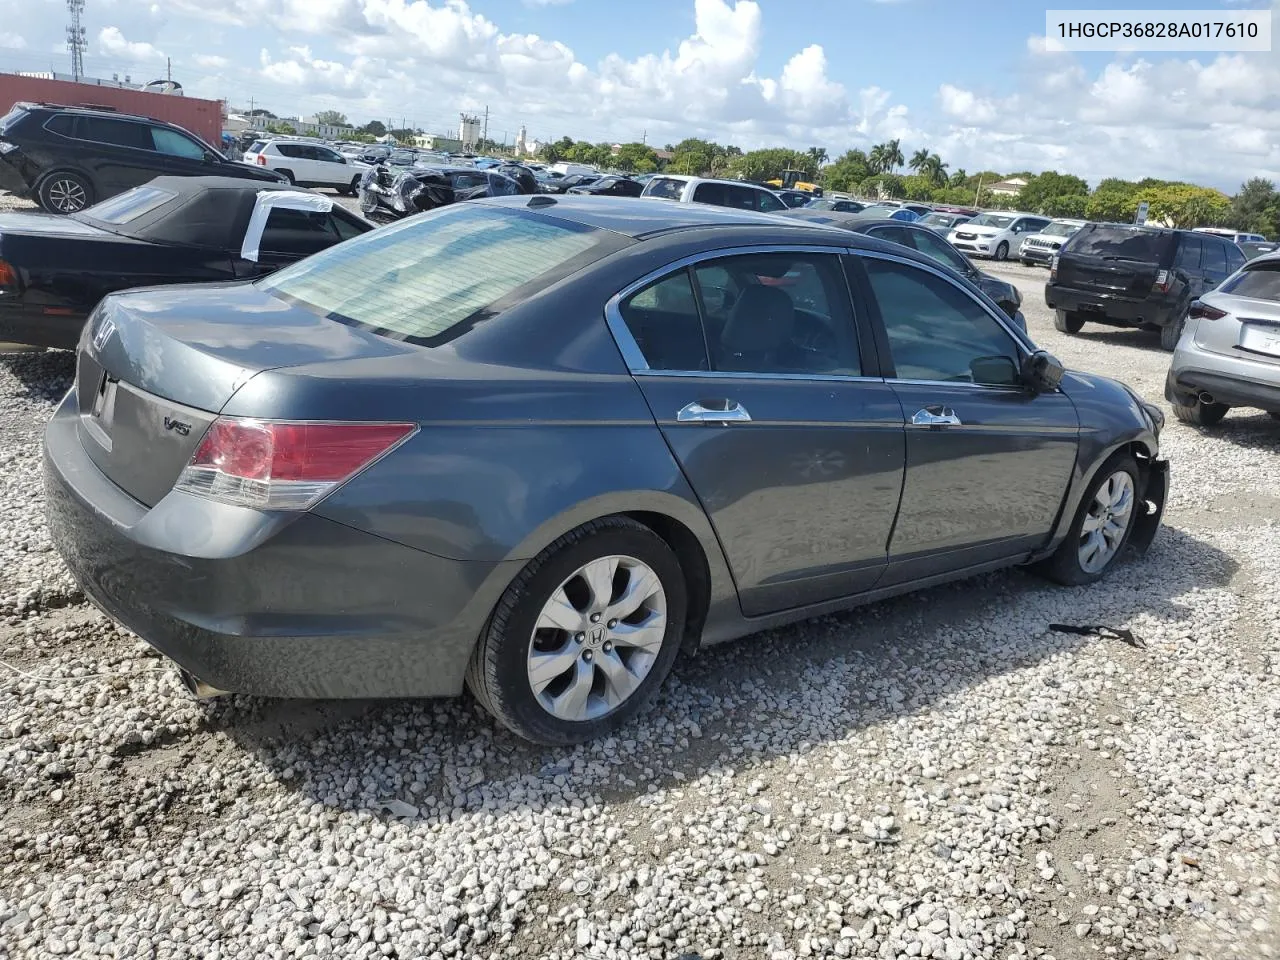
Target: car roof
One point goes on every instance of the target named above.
(90, 111)
(691, 179)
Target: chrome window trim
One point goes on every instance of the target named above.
(627, 345)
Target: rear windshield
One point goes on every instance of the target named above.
(129, 205)
(1260, 281)
(1120, 242)
(11, 117)
(419, 279)
(1060, 229)
(665, 188)
(256, 146)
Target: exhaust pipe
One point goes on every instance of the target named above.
(198, 688)
(1205, 397)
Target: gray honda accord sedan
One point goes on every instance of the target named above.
(539, 446)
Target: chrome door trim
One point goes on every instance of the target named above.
(695, 412)
(627, 345)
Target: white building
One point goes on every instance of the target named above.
(1008, 188)
(469, 131)
(312, 127)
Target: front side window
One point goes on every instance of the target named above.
(768, 203)
(1215, 259)
(665, 188)
(1189, 253)
(175, 144)
(421, 278)
(936, 331)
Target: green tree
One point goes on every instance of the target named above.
(550, 153)
(817, 157)
(1113, 200)
(331, 118)
(848, 171)
(919, 159)
(1184, 205)
(282, 128)
(883, 184)
(917, 186)
(893, 155)
(1256, 208)
(1051, 193)
(375, 128)
(693, 156)
(935, 170)
(959, 177)
(636, 158)
(767, 164)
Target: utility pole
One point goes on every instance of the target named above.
(644, 137)
(977, 193)
(485, 135)
(168, 66)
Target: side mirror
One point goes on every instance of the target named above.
(1042, 371)
(994, 371)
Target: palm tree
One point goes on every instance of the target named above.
(919, 160)
(817, 156)
(893, 155)
(876, 159)
(959, 177)
(934, 169)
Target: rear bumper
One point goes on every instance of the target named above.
(1200, 374)
(1107, 308)
(296, 606)
(11, 179)
(21, 324)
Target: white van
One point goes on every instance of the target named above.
(569, 169)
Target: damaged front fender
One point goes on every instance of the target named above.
(1150, 505)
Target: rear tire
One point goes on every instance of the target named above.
(1065, 322)
(1002, 251)
(64, 193)
(1201, 414)
(1111, 499)
(352, 188)
(1028, 263)
(1171, 333)
(288, 175)
(550, 673)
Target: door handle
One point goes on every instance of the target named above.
(713, 411)
(936, 416)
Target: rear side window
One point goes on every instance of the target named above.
(767, 203)
(664, 322)
(1259, 282)
(1235, 257)
(1189, 252)
(1121, 242)
(665, 188)
(419, 279)
(1215, 259)
(118, 133)
(740, 198)
(713, 193)
(63, 124)
(292, 150)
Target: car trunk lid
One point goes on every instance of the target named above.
(157, 365)
(1249, 326)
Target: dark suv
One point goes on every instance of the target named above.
(1131, 276)
(69, 158)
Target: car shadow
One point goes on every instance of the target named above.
(1248, 428)
(1147, 340)
(819, 681)
(43, 376)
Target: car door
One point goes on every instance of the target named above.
(1188, 265)
(118, 152)
(1214, 263)
(179, 154)
(770, 398)
(330, 167)
(766, 202)
(988, 462)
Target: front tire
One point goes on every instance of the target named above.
(288, 175)
(1065, 322)
(64, 193)
(583, 636)
(1002, 250)
(352, 188)
(1101, 528)
(1028, 263)
(1200, 414)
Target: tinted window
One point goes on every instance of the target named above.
(931, 245)
(768, 203)
(344, 228)
(740, 198)
(663, 320)
(421, 277)
(999, 221)
(256, 146)
(713, 193)
(892, 234)
(935, 330)
(129, 205)
(175, 144)
(778, 313)
(665, 188)
(1122, 242)
(327, 155)
(298, 231)
(1215, 259)
(63, 124)
(120, 133)
(1188, 259)
(292, 150)
(1261, 282)
(1235, 257)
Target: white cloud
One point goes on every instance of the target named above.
(210, 61)
(113, 44)
(11, 41)
(965, 107)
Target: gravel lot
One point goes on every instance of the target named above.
(936, 776)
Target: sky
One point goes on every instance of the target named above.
(969, 80)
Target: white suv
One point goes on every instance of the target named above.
(720, 193)
(996, 234)
(1043, 246)
(307, 164)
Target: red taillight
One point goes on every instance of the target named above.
(1202, 311)
(261, 160)
(8, 275)
(1053, 268)
(271, 465)
(1164, 280)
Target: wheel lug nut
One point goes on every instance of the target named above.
(607, 646)
(579, 637)
(595, 618)
(586, 655)
(612, 624)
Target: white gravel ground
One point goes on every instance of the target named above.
(937, 776)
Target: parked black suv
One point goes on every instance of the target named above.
(69, 158)
(1131, 276)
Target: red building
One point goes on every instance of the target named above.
(201, 117)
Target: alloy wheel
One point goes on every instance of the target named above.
(1106, 522)
(596, 638)
(66, 196)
